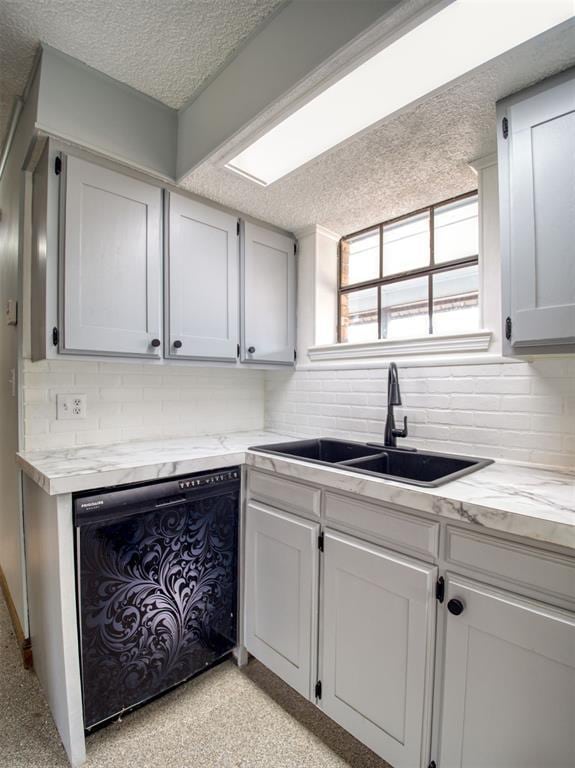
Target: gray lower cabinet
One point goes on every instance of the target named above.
(268, 296)
(536, 153)
(281, 562)
(378, 630)
(508, 681)
(498, 691)
(111, 263)
(202, 281)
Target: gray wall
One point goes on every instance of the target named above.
(294, 43)
(12, 198)
(82, 105)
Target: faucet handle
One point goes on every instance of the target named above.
(401, 432)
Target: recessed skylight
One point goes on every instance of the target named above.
(461, 36)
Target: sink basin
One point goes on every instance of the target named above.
(421, 468)
(323, 450)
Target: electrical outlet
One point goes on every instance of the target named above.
(71, 406)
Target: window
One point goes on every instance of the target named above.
(416, 275)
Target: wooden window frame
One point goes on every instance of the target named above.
(428, 271)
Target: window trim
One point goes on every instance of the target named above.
(477, 342)
(428, 271)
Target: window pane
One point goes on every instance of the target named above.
(455, 300)
(406, 244)
(360, 258)
(456, 230)
(359, 315)
(405, 308)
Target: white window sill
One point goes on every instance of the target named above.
(474, 343)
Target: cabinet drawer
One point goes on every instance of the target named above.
(285, 494)
(392, 526)
(531, 568)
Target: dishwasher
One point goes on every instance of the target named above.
(157, 583)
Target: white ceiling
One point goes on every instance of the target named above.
(410, 160)
(167, 49)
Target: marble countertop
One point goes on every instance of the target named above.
(518, 499)
(101, 466)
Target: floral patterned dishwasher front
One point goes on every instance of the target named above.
(157, 588)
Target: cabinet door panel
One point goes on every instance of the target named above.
(281, 593)
(268, 296)
(509, 682)
(111, 262)
(540, 204)
(203, 281)
(378, 635)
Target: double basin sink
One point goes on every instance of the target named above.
(405, 465)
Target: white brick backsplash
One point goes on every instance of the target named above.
(517, 411)
(136, 401)
(521, 411)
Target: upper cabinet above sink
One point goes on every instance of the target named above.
(536, 148)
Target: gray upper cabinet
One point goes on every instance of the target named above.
(123, 268)
(202, 281)
(111, 263)
(536, 148)
(268, 305)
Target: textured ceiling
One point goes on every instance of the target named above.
(165, 48)
(414, 158)
(169, 49)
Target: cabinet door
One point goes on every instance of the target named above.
(377, 649)
(508, 682)
(281, 588)
(202, 281)
(538, 215)
(112, 262)
(268, 296)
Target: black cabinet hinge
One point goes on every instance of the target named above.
(238, 227)
(294, 355)
(294, 249)
(318, 689)
(55, 337)
(238, 351)
(508, 328)
(58, 166)
(505, 127)
(432, 764)
(440, 589)
(320, 542)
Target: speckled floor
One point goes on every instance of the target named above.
(223, 719)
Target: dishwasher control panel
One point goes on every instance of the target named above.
(208, 480)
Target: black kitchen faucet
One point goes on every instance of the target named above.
(393, 398)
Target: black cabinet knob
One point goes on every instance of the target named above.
(251, 350)
(177, 344)
(156, 342)
(455, 606)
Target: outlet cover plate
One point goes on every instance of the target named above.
(71, 406)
